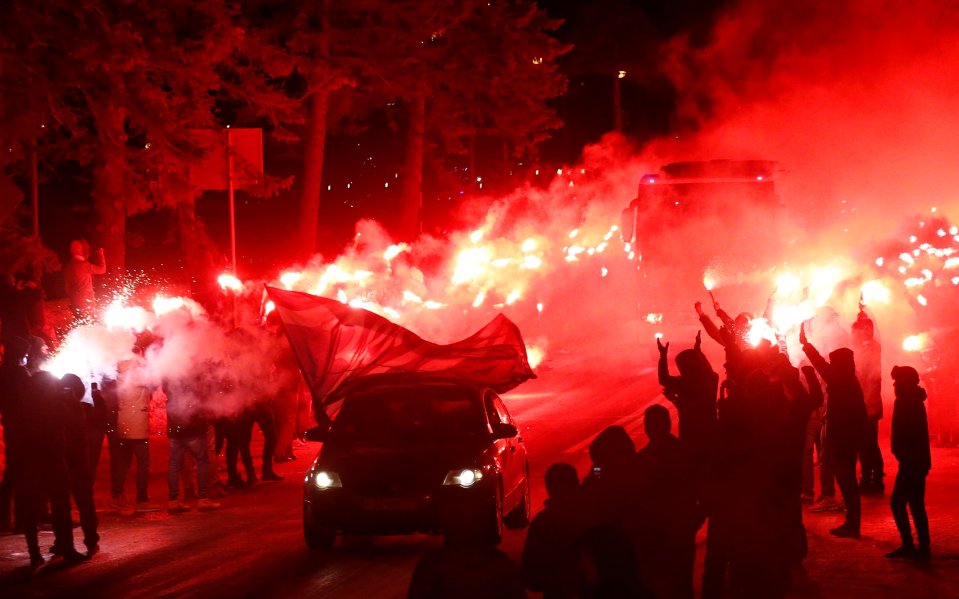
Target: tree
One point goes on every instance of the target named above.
(461, 69)
(121, 85)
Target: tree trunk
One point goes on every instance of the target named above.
(313, 172)
(410, 219)
(109, 191)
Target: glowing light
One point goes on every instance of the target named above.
(574, 251)
(480, 298)
(289, 279)
(531, 262)
(879, 261)
(539, 307)
(229, 282)
(914, 282)
(787, 284)
(759, 329)
(534, 355)
(395, 250)
(573, 233)
(709, 282)
(653, 318)
(912, 239)
(409, 296)
(874, 292)
(822, 283)
(528, 246)
(470, 263)
(165, 305)
(621, 75)
(658, 336)
(268, 307)
(559, 171)
(915, 343)
(476, 235)
(129, 318)
(922, 300)
(512, 297)
(906, 257)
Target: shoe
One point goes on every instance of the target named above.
(827, 504)
(36, 561)
(907, 551)
(146, 506)
(206, 504)
(844, 532)
(175, 506)
(271, 476)
(72, 556)
(92, 550)
(121, 506)
(923, 553)
(235, 483)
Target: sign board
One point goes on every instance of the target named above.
(210, 172)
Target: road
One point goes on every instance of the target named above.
(253, 546)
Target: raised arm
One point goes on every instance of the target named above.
(711, 329)
(815, 358)
(815, 389)
(669, 382)
(101, 266)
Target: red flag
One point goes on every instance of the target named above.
(336, 344)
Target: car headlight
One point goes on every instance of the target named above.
(466, 477)
(326, 480)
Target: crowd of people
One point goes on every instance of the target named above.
(53, 441)
(741, 465)
(54, 429)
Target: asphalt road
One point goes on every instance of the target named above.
(253, 546)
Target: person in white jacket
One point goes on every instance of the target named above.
(133, 433)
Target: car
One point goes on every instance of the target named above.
(410, 454)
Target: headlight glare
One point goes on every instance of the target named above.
(466, 477)
(327, 480)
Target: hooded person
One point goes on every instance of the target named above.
(845, 425)
(910, 446)
(693, 393)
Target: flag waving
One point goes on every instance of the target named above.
(336, 344)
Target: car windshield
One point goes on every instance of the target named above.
(423, 413)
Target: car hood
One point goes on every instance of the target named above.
(425, 462)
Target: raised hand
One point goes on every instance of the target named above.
(802, 334)
(699, 340)
(699, 308)
(663, 349)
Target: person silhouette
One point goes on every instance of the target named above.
(549, 559)
(910, 446)
(845, 426)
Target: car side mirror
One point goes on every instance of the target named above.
(502, 430)
(316, 434)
